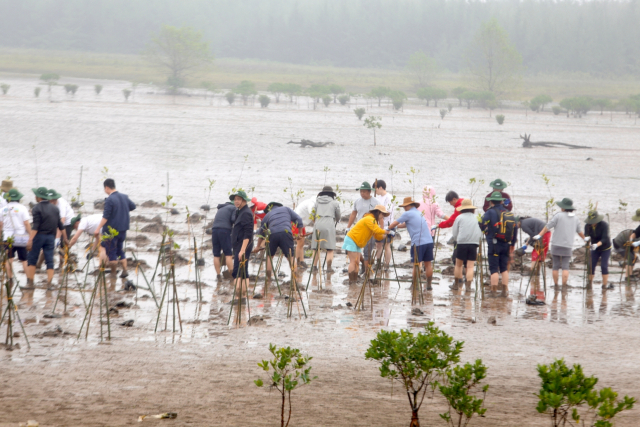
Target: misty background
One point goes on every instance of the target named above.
(599, 38)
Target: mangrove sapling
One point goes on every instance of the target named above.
(50, 79)
(231, 97)
(326, 171)
(443, 112)
(412, 180)
(343, 99)
(126, 93)
(474, 185)
(500, 118)
(264, 101)
(373, 122)
(326, 100)
(460, 389)
(549, 203)
(97, 89)
(418, 362)
(5, 88)
(70, 89)
(565, 391)
(295, 195)
(290, 370)
(556, 110)
(359, 112)
(449, 107)
(36, 91)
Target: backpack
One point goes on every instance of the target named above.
(506, 227)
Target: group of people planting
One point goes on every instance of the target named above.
(371, 227)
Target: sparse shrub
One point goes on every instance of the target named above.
(343, 99)
(566, 390)
(500, 118)
(418, 362)
(231, 97)
(126, 93)
(264, 101)
(70, 89)
(462, 385)
(443, 112)
(290, 370)
(449, 107)
(5, 88)
(50, 79)
(359, 112)
(326, 100)
(556, 110)
(541, 101)
(98, 89)
(245, 89)
(36, 91)
(397, 99)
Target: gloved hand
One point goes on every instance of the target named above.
(392, 233)
(524, 248)
(587, 239)
(594, 247)
(536, 237)
(434, 227)
(89, 256)
(57, 245)
(636, 244)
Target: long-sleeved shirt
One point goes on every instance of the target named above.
(364, 229)
(490, 223)
(599, 232)
(225, 216)
(242, 228)
(466, 230)
(279, 219)
(46, 218)
(116, 211)
(532, 226)
(507, 203)
(564, 229)
(449, 222)
(417, 227)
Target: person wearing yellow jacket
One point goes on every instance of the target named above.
(360, 234)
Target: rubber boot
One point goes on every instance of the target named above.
(353, 277)
(467, 285)
(30, 284)
(455, 285)
(329, 266)
(429, 279)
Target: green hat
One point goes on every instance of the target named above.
(593, 217)
(636, 217)
(53, 194)
(496, 196)
(365, 186)
(13, 195)
(498, 184)
(271, 205)
(240, 193)
(41, 193)
(566, 203)
(75, 219)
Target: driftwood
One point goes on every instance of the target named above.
(308, 143)
(526, 143)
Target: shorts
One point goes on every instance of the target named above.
(282, 240)
(350, 246)
(221, 242)
(545, 241)
(604, 263)
(499, 254)
(560, 262)
(295, 231)
(243, 270)
(467, 252)
(13, 250)
(46, 243)
(368, 248)
(115, 247)
(424, 252)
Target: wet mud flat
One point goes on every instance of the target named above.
(206, 373)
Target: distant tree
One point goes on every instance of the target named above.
(486, 99)
(335, 90)
(380, 93)
(245, 89)
(50, 79)
(326, 100)
(344, 99)
(264, 101)
(542, 100)
(469, 97)
(292, 89)
(457, 93)
(424, 93)
(277, 89)
(359, 112)
(317, 92)
(231, 97)
(533, 105)
(373, 122)
(397, 99)
(70, 89)
(578, 105)
(180, 52)
(422, 69)
(36, 91)
(449, 107)
(431, 93)
(556, 110)
(493, 61)
(97, 89)
(5, 88)
(126, 93)
(443, 112)
(602, 104)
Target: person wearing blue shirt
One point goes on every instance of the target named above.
(499, 252)
(421, 240)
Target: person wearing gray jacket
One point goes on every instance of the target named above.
(221, 237)
(467, 234)
(326, 213)
(565, 225)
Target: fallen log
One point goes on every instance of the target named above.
(526, 143)
(308, 143)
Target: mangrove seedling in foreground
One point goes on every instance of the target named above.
(290, 369)
(416, 361)
(462, 386)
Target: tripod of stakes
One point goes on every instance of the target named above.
(99, 289)
(168, 273)
(10, 312)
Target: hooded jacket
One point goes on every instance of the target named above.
(449, 222)
(429, 207)
(225, 217)
(327, 207)
(279, 220)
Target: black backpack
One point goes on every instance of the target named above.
(506, 227)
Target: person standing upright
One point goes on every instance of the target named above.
(386, 200)
(431, 209)
(7, 185)
(454, 200)
(365, 204)
(115, 216)
(598, 230)
(327, 215)
(14, 225)
(221, 237)
(241, 240)
(498, 185)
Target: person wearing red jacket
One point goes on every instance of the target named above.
(454, 200)
(257, 208)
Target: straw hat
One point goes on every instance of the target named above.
(408, 201)
(382, 209)
(593, 217)
(465, 204)
(6, 185)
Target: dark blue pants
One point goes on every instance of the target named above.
(498, 257)
(46, 243)
(242, 271)
(115, 247)
(604, 261)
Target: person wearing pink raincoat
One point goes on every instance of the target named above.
(430, 208)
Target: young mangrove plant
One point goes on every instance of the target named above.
(549, 206)
(36, 91)
(418, 362)
(461, 388)
(500, 118)
(373, 122)
(5, 88)
(566, 391)
(97, 89)
(359, 112)
(290, 369)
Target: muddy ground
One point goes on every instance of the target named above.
(206, 373)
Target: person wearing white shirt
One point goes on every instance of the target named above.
(386, 200)
(305, 210)
(14, 222)
(88, 224)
